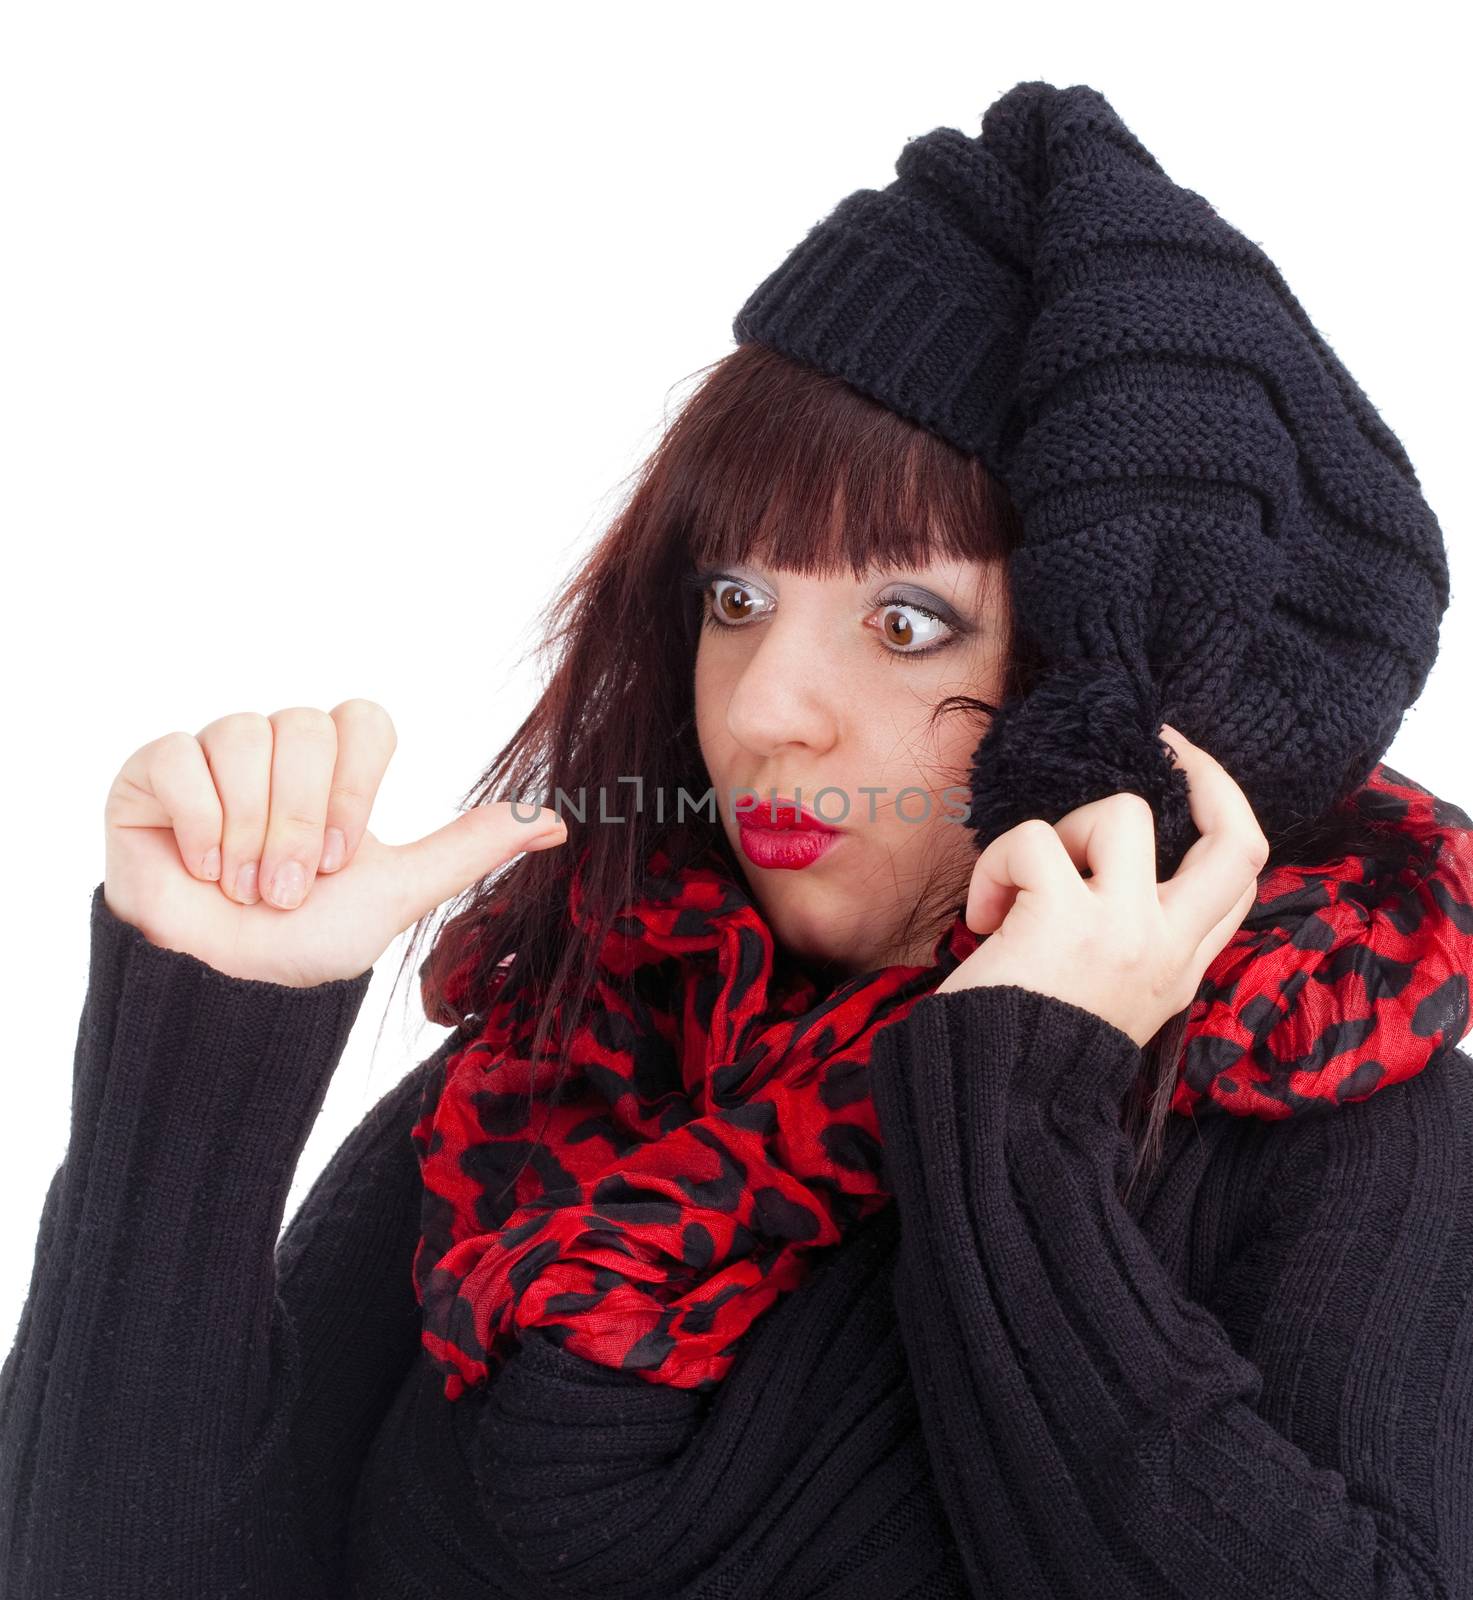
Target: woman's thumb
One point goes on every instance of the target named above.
(468, 849)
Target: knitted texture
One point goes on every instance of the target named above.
(1220, 532)
(181, 1414)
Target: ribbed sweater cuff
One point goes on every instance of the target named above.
(1056, 1054)
(998, 1109)
(194, 1067)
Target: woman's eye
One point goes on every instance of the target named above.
(906, 627)
(910, 629)
(732, 601)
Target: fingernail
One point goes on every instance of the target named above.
(245, 882)
(210, 866)
(288, 884)
(540, 841)
(334, 847)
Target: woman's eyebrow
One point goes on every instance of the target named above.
(943, 583)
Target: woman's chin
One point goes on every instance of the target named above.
(829, 934)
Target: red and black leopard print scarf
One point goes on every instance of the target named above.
(715, 1130)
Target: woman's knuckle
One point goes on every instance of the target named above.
(367, 716)
(1127, 801)
(300, 823)
(171, 746)
(246, 724)
(1255, 856)
(309, 722)
(347, 794)
(238, 729)
(244, 821)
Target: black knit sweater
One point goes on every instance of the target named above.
(1254, 1380)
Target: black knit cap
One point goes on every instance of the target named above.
(1219, 531)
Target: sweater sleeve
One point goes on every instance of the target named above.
(1094, 1431)
(156, 1383)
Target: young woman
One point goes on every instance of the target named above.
(834, 1210)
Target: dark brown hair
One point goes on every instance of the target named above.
(767, 460)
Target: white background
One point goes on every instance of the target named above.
(329, 336)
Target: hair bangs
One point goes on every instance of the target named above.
(780, 464)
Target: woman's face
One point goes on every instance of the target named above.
(809, 684)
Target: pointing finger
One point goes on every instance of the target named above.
(466, 850)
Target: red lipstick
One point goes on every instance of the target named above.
(782, 834)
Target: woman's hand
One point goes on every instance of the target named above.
(194, 824)
(1117, 943)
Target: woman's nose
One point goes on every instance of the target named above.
(785, 691)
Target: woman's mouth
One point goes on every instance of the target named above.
(781, 834)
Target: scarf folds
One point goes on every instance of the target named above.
(714, 1128)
